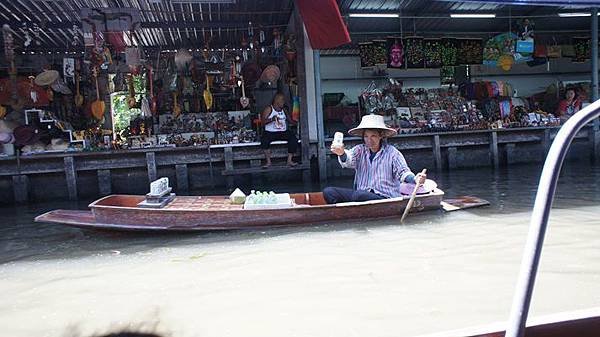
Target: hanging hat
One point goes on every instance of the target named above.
(25, 135)
(251, 73)
(270, 74)
(47, 77)
(182, 58)
(60, 86)
(6, 138)
(427, 187)
(372, 121)
(506, 62)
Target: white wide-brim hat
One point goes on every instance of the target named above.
(372, 121)
(428, 187)
(47, 77)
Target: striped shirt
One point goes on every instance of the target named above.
(383, 174)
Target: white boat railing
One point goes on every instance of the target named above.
(539, 217)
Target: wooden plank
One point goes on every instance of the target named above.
(71, 176)
(21, 188)
(181, 172)
(437, 152)
(452, 160)
(262, 170)
(104, 182)
(151, 165)
(228, 157)
(494, 149)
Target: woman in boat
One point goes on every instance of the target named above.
(276, 121)
(380, 167)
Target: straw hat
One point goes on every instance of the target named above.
(47, 77)
(270, 74)
(427, 187)
(25, 135)
(6, 138)
(372, 121)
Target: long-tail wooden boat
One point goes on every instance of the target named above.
(200, 213)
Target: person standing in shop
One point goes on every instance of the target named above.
(568, 106)
(276, 121)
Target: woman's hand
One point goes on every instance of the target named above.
(338, 150)
(420, 178)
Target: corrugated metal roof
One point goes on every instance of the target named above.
(431, 18)
(164, 23)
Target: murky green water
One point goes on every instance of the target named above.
(437, 272)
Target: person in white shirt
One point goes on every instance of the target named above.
(276, 122)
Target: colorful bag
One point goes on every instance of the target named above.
(540, 50)
(525, 46)
(553, 51)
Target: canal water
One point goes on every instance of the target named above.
(377, 278)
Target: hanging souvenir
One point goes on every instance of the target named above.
(380, 52)
(68, 68)
(414, 52)
(395, 53)
(582, 49)
(250, 30)
(244, 101)
(208, 98)
(470, 51)
(433, 53)
(76, 31)
(261, 36)
(32, 92)
(448, 52)
(36, 34)
(277, 42)
(98, 106)
(366, 54)
(26, 37)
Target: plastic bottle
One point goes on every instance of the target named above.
(338, 140)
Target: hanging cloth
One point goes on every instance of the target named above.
(324, 24)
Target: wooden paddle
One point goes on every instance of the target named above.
(244, 101)
(208, 98)
(78, 96)
(412, 198)
(98, 106)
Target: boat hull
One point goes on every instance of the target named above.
(120, 212)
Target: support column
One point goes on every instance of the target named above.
(71, 177)
(594, 85)
(21, 188)
(301, 59)
(321, 151)
(181, 173)
(437, 152)
(151, 165)
(510, 153)
(452, 162)
(228, 156)
(104, 182)
(494, 149)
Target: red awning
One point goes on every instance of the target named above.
(324, 23)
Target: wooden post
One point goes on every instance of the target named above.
(494, 149)
(228, 156)
(437, 152)
(257, 178)
(20, 188)
(151, 165)
(301, 80)
(71, 176)
(452, 163)
(510, 153)
(546, 142)
(181, 173)
(104, 182)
